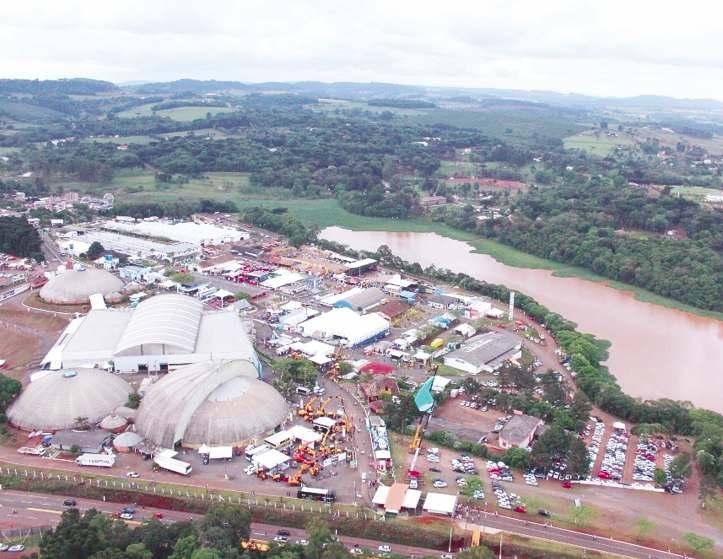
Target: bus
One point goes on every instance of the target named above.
(315, 494)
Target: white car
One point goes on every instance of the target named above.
(18, 547)
(356, 551)
(439, 484)
(385, 548)
(126, 516)
(4, 547)
(133, 474)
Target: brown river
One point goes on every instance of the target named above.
(656, 352)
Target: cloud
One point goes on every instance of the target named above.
(606, 48)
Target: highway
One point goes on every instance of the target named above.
(35, 509)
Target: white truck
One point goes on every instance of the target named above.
(172, 465)
(100, 460)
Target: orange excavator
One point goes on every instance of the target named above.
(295, 480)
(308, 410)
(321, 410)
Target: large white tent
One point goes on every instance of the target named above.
(346, 325)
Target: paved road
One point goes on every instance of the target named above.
(34, 509)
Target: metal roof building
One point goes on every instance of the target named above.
(485, 352)
(162, 332)
(212, 403)
(346, 325)
(54, 400)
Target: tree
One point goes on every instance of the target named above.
(517, 458)
(698, 543)
(319, 536)
(294, 372)
(234, 520)
(9, 389)
(95, 250)
(643, 527)
(134, 400)
(185, 547)
(659, 477)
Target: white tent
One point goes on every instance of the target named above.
(440, 503)
(271, 460)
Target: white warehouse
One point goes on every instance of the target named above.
(163, 332)
(345, 325)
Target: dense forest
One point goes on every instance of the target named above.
(664, 243)
(19, 238)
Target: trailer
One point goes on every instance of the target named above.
(99, 460)
(172, 465)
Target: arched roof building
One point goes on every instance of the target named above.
(74, 287)
(162, 332)
(57, 399)
(214, 403)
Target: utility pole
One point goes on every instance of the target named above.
(500, 545)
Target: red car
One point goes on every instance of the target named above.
(567, 485)
(604, 475)
(520, 508)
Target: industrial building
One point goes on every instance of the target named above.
(56, 399)
(519, 431)
(162, 332)
(197, 234)
(130, 245)
(74, 286)
(216, 403)
(346, 326)
(485, 352)
(362, 300)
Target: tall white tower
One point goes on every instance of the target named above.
(512, 305)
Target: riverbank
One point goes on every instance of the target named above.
(326, 212)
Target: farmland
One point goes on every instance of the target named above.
(597, 142)
(182, 114)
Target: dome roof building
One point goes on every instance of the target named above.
(55, 400)
(74, 287)
(213, 402)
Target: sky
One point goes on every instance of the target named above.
(609, 48)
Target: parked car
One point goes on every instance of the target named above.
(543, 512)
(284, 533)
(133, 474)
(126, 516)
(439, 483)
(17, 547)
(385, 548)
(70, 502)
(4, 547)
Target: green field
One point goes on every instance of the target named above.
(187, 114)
(509, 125)
(696, 193)
(181, 114)
(27, 112)
(597, 142)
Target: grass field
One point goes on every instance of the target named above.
(448, 168)
(596, 142)
(182, 114)
(669, 138)
(696, 193)
(187, 114)
(511, 125)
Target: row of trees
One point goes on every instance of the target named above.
(19, 238)
(217, 535)
(617, 231)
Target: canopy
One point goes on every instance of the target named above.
(423, 399)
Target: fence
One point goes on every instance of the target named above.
(194, 493)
